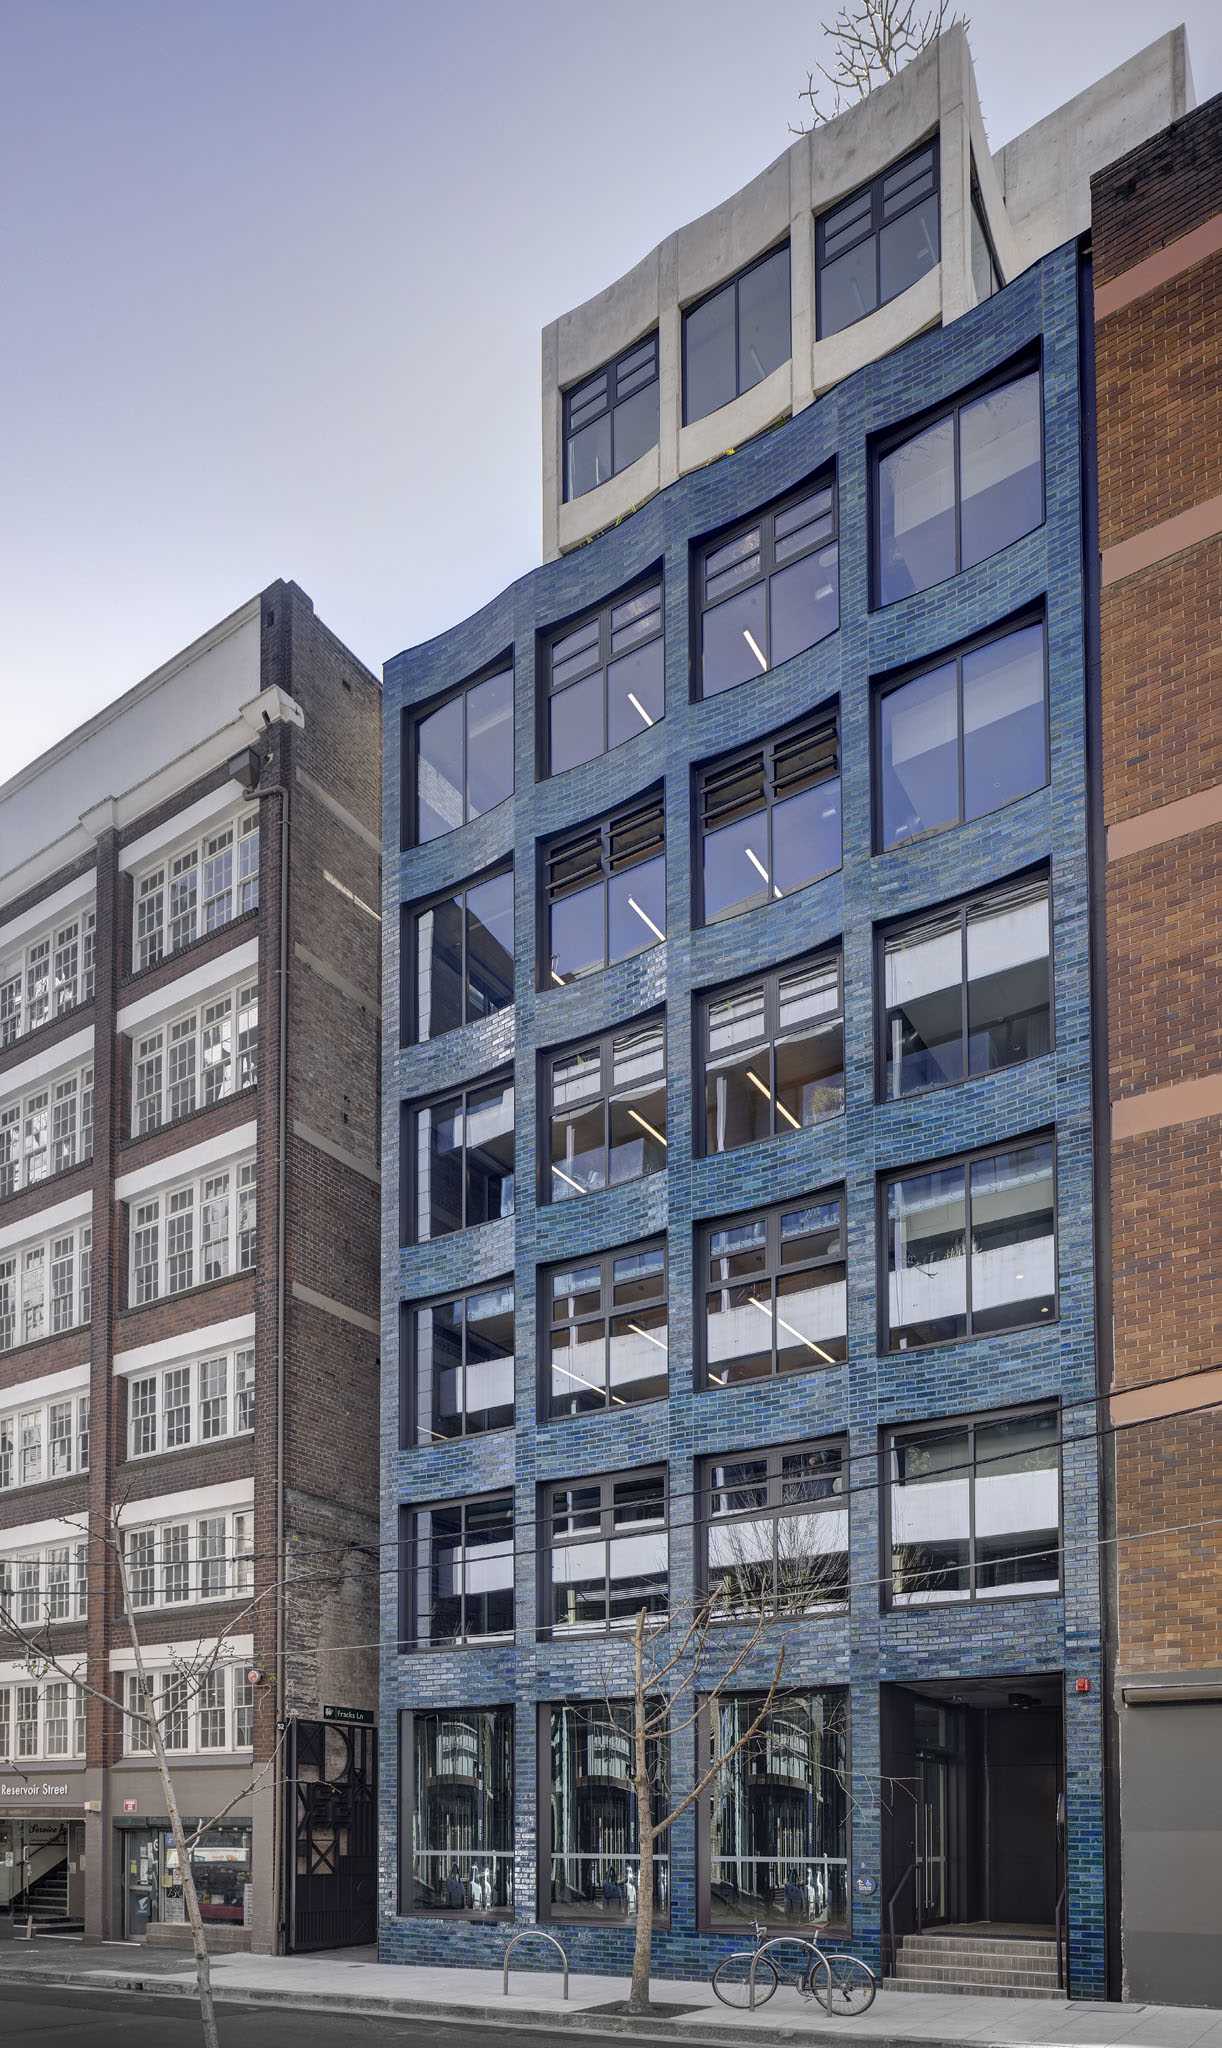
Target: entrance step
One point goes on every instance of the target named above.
(977, 1965)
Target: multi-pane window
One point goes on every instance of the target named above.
(606, 1551)
(197, 890)
(776, 1530)
(606, 892)
(456, 1778)
(194, 1060)
(457, 1566)
(591, 1853)
(459, 1354)
(606, 1330)
(464, 1159)
(770, 818)
(611, 418)
(736, 336)
(975, 1509)
(769, 590)
(776, 1817)
(959, 489)
(47, 1583)
(606, 1107)
(460, 952)
(775, 1293)
(212, 1710)
(200, 1402)
(773, 1053)
(871, 247)
(605, 679)
(970, 1246)
(986, 270)
(458, 759)
(188, 1235)
(191, 1560)
(45, 1287)
(41, 1719)
(967, 990)
(963, 736)
(47, 975)
(46, 1131)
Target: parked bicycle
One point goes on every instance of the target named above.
(842, 1984)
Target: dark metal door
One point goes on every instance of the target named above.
(331, 1835)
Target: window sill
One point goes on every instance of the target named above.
(193, 1116)
(212, 1443)
(37, 1031)
(136, 977)
(50, 1180)
(139, 1308)
(1049, 1322)
(36, 1485)
(971, 1605)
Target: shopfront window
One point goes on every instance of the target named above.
(777, 1813)
(593, 1854)
(457, 1779)
(152, 1876)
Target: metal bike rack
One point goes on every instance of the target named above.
(778, 1941)
(533, 1934)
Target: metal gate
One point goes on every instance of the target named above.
(331, 1835)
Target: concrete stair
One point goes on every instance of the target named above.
(45, 1902)
(977, 1965)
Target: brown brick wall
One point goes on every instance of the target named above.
(1169, 1476)
(1167, 1252)
(1161, 190)
(1165, 948)
(1160, 404)
(1162, 683)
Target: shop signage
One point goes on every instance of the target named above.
(356, 1717)
(131, 1806)
(31, 1789)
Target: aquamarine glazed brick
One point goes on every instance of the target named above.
(869, 1646)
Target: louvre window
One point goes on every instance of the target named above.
(611, 418)
(606, 892)
(606, 1331)
(775, 1293)
(768, 590)
(871, 247)
(605, 679)
(606, 1112)
(773, 1053)
(770, 819)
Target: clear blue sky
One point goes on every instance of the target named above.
(274, 276)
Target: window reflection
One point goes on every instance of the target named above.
(460, 1772)
(774, 1055)
(873, 246)
(464, 956)
(971, 1247)
(464, 757)
(464, 1163)
(769, 591)
(967, 991)
(775, 1292)
(737, 336)
(463, 1357)
(778, 1812)
(770, 819)
(595, 1843)
(975, 1510)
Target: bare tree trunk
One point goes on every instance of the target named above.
(642, 1951)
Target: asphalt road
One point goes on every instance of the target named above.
(31, 2017)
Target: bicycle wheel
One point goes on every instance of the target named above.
(731, 1979)
(844, 1984)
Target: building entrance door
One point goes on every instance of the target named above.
(933, 1835)
(141, 1880)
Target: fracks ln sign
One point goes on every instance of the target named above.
(356, 1717)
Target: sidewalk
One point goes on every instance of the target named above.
(352, 1980)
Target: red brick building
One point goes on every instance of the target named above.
(1157, 250)
(189, 1025)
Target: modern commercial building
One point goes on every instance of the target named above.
(738, 1134)
(1157, 303)
(189, 983)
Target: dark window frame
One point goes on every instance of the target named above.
(606, 1482)
(737, 760)
(770, 1213)
(611, 371)
(413, 717)
(409, 1364)
(410, 1642)
(872, 229)
(548, 1914)
(960, 906)
(409, 1182)
(943, 1426)
(825, 478)
(769, 979)
(409, 953)
(1027, 364)
(973, 1156)
(774, 1510)
(734, 283)
(605, 1314)
(551, 638)
(976, 206)
(407, 1811)
(604, 1042)
(553, 849)
(887, 685)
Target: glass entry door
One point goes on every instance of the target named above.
(141, 1880)
(933, 1828)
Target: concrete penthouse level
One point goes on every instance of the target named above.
(189, 981)
(738, 1210)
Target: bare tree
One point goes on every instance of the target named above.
(871, 41)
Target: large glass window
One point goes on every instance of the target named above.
(959, 489)
(46, 1287)
(768, 590)
(606, 892)
(461, 947)
(776, 1815)
(199, 1402)
(46, 1131)
(607, 1551)
(464, 1159)
(588, 1803)
(971, 1246)
(460, 758)
(975, 1509)
(47, 1441)
(605, 679)
(773, 1053)
(456, 1774)
(188, 1235)
(770, 819)
(46, 975)
(775, 1299)
(460, 1359)
(611, 418)
(963, 737)
(873, 246)
(606, 1112)
(195, 1059)
(203, 886)
(736, 336)
(606, 1330)
(967, 990)
(458, 1571)
(776, 1530)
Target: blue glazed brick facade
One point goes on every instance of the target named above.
(869, 1646)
